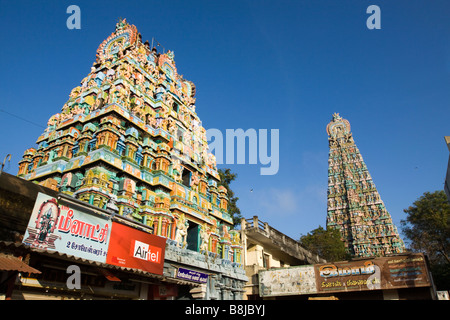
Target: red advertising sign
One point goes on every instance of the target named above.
(131, 248)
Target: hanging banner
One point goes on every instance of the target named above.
(56, 227)
(132, 248)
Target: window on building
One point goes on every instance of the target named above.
(266, 259)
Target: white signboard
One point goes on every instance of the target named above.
(56, 227)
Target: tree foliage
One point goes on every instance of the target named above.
(226, 177)
(427, 226)
(326, 243)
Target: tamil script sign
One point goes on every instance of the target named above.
(406, 271)
(192, 275)
(57, 227)
(358, 275)
(370, 274)
(287, 281)
(348, 276)
(53, 226)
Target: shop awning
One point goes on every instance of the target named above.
(59, 255)
(11, 263)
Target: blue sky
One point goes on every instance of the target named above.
(286, 65)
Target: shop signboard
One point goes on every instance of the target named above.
(57, 227)
(132, 248)
(348, 276)
(400, 271)
(405, 271)
(370, 274)
(287, 281)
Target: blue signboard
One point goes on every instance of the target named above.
(191, 275)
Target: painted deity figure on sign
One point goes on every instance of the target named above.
(46, 225)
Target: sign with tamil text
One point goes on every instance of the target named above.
(369, 274)
(56, 227)
(348, 276)
(400, 271)
(192, 275)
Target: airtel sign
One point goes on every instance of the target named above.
(132, 248)
(146, 252)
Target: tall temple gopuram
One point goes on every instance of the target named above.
(128, 140)
(354, 204)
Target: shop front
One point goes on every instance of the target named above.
(396, 277)
(79, 251)
(58, 276)
(74, 251)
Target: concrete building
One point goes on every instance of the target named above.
(265, 248)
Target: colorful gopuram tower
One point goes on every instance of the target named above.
(129, 140)
(354, 204)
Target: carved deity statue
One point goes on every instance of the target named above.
(180, 235)
(204, 238)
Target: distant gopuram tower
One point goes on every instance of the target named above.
(354, 204)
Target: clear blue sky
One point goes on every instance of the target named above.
(286, 65)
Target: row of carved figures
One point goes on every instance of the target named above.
(363, 199)
(341, 217)
(340, 188)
